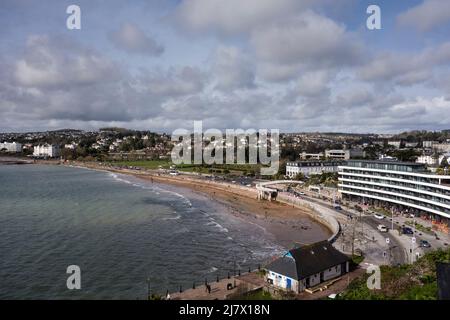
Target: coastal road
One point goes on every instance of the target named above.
(398, 253)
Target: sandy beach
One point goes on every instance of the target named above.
(290, 226)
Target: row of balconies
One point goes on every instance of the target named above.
(414, 186)
(403, 192)
(399, 197)
(395, 175)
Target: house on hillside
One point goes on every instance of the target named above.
(307, 266)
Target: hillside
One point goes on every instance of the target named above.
(407, 282)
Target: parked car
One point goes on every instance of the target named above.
(407, 230)
(425, 244)
(382, 228)
(332, 296)
(337, 207)
(378, 216)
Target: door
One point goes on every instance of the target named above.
(288, 283)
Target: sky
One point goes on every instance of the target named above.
(159, 65)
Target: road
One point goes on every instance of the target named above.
(398, 254)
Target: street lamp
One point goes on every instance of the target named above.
(392, 222)
(413, 241)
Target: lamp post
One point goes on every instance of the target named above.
(148, 288)
(392, 222)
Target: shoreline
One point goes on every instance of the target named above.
(290, 226)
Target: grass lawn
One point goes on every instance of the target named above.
(165, 164)
(357, 259)
(419, 227)
(257, 295)
(147, 164)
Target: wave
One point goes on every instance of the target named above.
(117, 178)
(217, 225)
(173, 218)
(212, 269)
(157, 190)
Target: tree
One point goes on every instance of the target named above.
(406, 155)
(300, 176)
(444, 163)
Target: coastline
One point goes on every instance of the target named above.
(290, 226)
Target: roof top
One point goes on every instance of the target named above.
(305, 261)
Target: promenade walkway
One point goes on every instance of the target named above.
(220, 290)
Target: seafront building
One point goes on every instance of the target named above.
(46, 151)
(308, 168)
(434, 160)
(427, 159)
(335, 154)
(403, 186)
(344, 154)
(11, 147)
(307, 267)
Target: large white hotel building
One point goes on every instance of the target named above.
(404, 185)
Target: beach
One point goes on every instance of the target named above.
(291, 226)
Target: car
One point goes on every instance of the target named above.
(378, 216)
(332, 296)
(407, 230)
(301, 193)
(337, 207)
(425, 244)
(382, 228)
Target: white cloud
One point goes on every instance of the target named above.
(434, 110)
(231, 16)
(45, 64)
(406, 68)
(232, 69)
(426, 16)
(299, 68)
(314, 83)
(133, 40)
(307, 41)
(174, 81)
